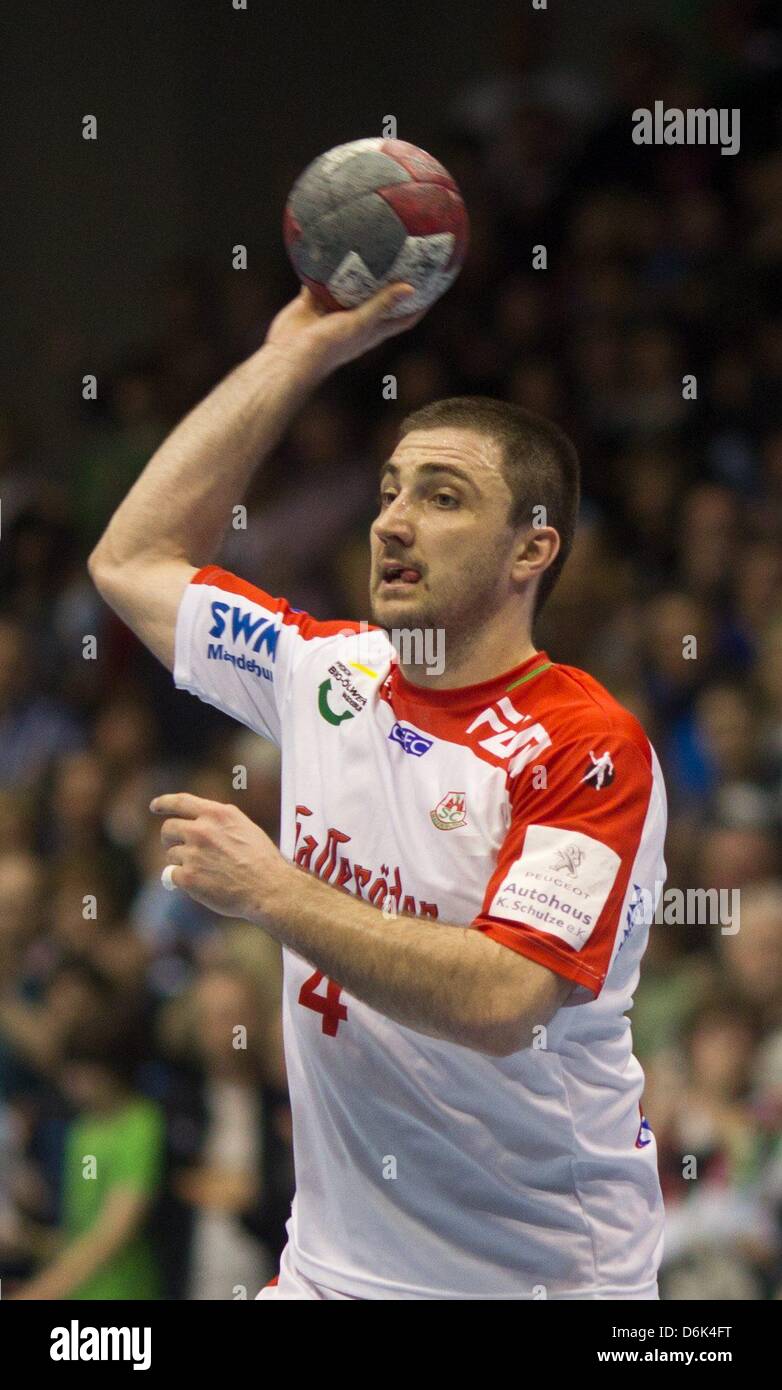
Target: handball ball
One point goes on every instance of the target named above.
(372, 212)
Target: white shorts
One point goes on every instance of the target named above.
(292, 1284)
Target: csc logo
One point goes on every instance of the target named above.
(411, 741)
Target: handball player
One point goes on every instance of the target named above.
(469, 848)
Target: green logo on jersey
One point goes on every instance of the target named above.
(324, 707)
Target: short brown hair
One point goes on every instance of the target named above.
(540, 464)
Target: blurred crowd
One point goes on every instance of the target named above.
(119, 1002)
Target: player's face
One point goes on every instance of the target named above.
(441, 544)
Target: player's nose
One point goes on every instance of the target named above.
(394, 523)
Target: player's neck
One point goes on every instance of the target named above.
(471, 662)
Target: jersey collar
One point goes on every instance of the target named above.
(466, 696)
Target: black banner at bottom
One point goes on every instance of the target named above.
(219, 1339)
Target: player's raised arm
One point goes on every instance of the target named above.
(176, 513)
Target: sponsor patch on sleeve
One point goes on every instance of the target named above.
(559, 884)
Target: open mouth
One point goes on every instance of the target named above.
(400, 575)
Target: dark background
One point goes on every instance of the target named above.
(207, 114)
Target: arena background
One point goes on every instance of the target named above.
(662, 262)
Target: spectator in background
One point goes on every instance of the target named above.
(126, 739)
(75, 829)
(88, 920)
(120, 444)
(38, 553)
(16, 822)
(735, 856)
(17, 487)
(112, 1173)
(231, 1166)
(709, 1144)
(752, 957)
(34, 727)
(21, 888)
(34, 1030)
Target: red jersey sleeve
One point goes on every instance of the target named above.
(563, 869)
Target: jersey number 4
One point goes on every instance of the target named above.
(326, 1004)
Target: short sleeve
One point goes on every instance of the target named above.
(576, 828)
(236, 647)
(138, 1159)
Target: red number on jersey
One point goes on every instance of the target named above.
(328, 1005)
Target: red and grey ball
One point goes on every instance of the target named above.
(371, 212)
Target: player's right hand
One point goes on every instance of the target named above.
(326, 340)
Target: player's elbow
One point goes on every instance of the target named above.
(98, 569)
(114, 584)
(112, 579)
(502, 1040)
(111, 560)
(502, 1030)
(514, 1015)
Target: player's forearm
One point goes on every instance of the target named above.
(182, 503)
(74, 1264)
(446, 981)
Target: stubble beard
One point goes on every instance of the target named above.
(461, 613)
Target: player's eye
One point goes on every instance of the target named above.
(448, 498)
(387, 496)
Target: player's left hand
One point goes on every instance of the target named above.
(222, 859)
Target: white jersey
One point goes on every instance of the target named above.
(530, 806)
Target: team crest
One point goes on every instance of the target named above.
(450, 812)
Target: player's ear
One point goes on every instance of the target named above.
(536, 548)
